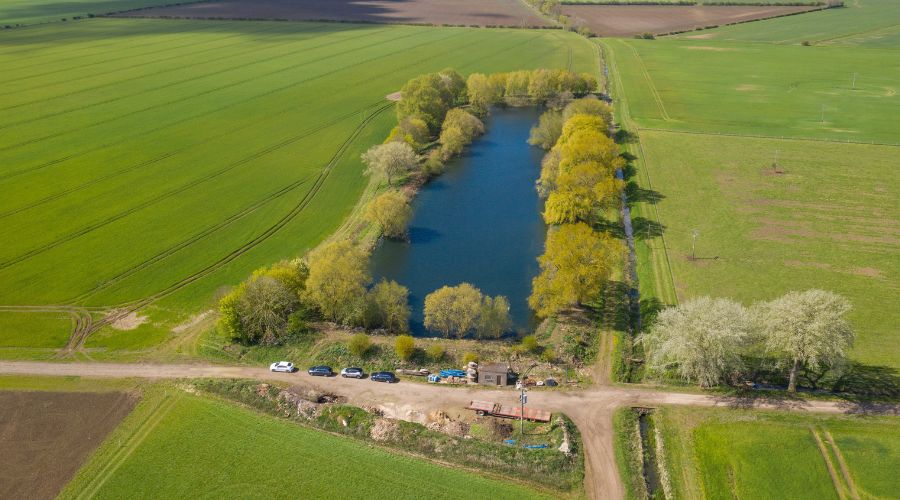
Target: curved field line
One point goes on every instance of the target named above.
(271, 91)
(650, 85)
(164, 196)
(269, 231)
(131, 444)
(152, 201)
(192, 78)
(105, 61)
(231, 104)
(271, 33)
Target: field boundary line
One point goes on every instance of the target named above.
(779, 138)
(247, 80)
(667, 294)
(845, 471)
(131, 444)
(650, 84)
(68, 50)
(268, 34)
(227, 68)
(838, 487)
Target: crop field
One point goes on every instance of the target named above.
(512, 13)
(824, 217)
(27, 12)
(700, 2)
(159, 160)
(741, 454)
(860, 23)
(627, 20)
(155, 454)
(47, 436)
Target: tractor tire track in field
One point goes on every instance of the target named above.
(838, 487)
(132, 306)
(82, 322)
(272, 34)
(164, 196)
(845, 471)
(650, 84)
(131, 443)
(177, 122)
(269, 92)
(105, 61)
(193, 78)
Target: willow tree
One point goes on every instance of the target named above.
(338, 275)
(576, 264)
(453, 311)
(392, 212)
(806, 329)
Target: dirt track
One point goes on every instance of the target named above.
(628, 20)
(456, 12)
(590, 409)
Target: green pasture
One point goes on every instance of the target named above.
(840, 93)
(37, 330)
(158, 450)
(25, 12)
(829, 221)
(860, 22)
(166, 159)
(657, 2)
(722, 453)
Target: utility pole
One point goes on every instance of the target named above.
(523, 398)
(853, 82)
(823, 113)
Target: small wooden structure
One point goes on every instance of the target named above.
(508, 411)
(494, 374)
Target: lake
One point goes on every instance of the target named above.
(479, 222)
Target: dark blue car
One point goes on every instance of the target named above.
(383, 377)
(320, 371)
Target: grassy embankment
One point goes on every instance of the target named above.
(156, 450)
(199, 151)
(710, 112)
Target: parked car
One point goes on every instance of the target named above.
(282, 366)
(383, 377)
(551, 382)
(353, 372)
(320, 371)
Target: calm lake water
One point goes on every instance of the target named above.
(479, 223)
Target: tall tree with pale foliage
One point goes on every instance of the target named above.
(806, 329)
(700, 339)
(392, 159)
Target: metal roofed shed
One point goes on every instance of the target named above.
(494, 374)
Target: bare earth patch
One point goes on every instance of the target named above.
(46, 436)
(394, 96)
(457, 12)
(191, 322)
(129, 322)
(628, 20)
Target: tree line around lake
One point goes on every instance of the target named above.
(438, 115)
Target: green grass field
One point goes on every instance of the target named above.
(176, 445)
(26, 12)
(710, 118)
(167, 159)
(741, 454)
(656, 2)
(860, 22)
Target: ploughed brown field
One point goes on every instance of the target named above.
(45, 437)
(466, 12)
(628, 20)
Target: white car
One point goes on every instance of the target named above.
(282, 366)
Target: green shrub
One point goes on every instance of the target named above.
(359, 344)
